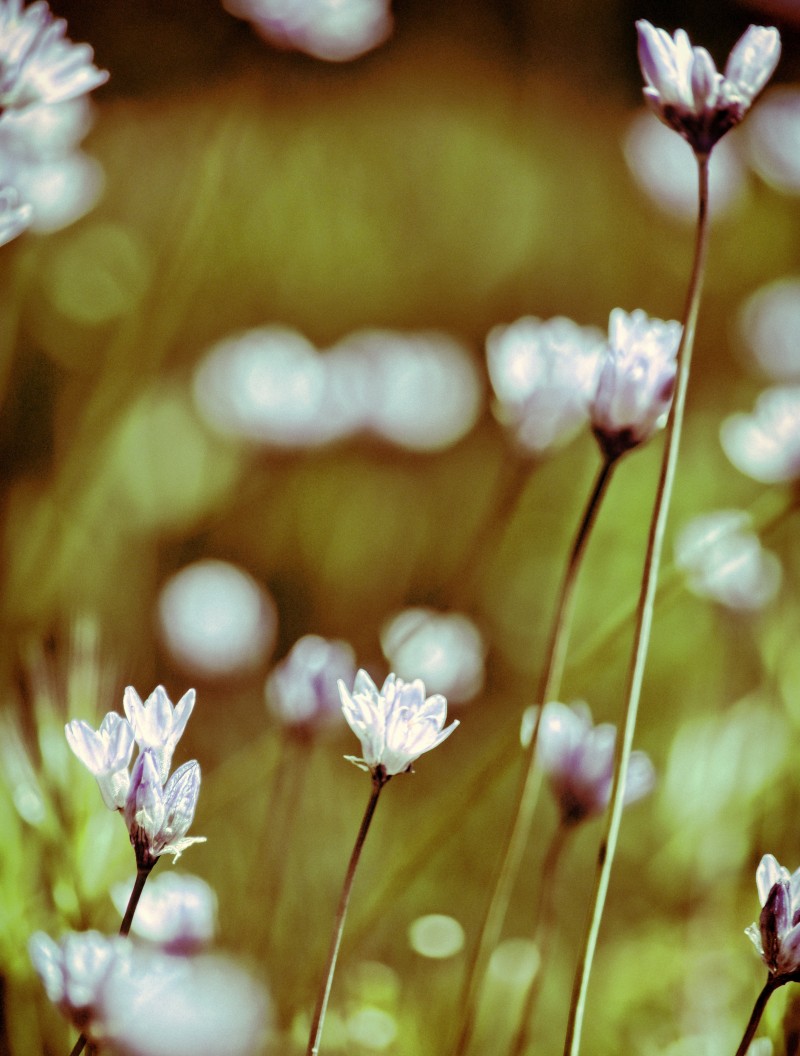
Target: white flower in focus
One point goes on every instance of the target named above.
(157, 725)
(176, 911)
(636, 380)
(766, 444)
(395, 725)
(157, 817)
(73, 971)
(38, 63)
(776, 936)
(106, 753)
(302, 691)
(543, 375)
(686, 91)
(723, 559)
(578, 758)
(15, 216)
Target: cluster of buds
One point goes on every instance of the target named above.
(158, 809)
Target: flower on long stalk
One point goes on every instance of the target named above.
(776, 936)
(158, 817)
(687, 92)
(157, 725)
(395, 724)
(301, 689)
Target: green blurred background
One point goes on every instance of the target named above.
(467, 172)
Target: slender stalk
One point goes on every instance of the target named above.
(531, 780)
(758, 1010)
(379, 779)
(644, 617)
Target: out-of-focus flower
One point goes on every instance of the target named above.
(158, 817)
(156, 724)
(445, 649)
(301, 690)
(769, 323)
(773, 139)
(578, 758)
(636, 380)
(686, 91)
(776, 936)
(176, 911)
(74, 970)
(106, 753)
(38, 62)
(15, 217)
(766, 444)
(724, 560)
(543, 374)
(334, 30)
(395, 725)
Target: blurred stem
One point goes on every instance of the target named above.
(758, 1010)
(644, 617)
(529, 787)
(543, 933)
(379, 779)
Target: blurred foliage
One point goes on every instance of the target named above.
(468, 172)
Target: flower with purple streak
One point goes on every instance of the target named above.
(776, 936)
(158, 816)
(301, 690)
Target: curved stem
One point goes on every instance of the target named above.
(644, 618)
(378, 781)
(531, 782)
(755, 1016)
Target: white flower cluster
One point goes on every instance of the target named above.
(158, 809)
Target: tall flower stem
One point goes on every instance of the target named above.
(644, 617)
(379, 779)
(530, 784)
(758, 1010)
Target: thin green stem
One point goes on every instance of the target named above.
(530, 784)
(379, 779)
(771, 985)
(643, 620)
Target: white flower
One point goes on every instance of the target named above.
(578, 758)
(15, 216)
(636, 380)
(766, 444)
(396, 725)
(73, 971)
(776, 937)
(38, 63)
(157, 817)
(301, 690)
(156, 724)
(686, 91)
(177, 911)
(106, 753)
(543, 374)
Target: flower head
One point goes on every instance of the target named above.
(776, 937)
(635, 382)
(156, 724)
(176, 911)
(766, 444)
(74, 970)
(578, 758)
(686, 91)
(395, 725)
(158, 816)
(106, 753)
(301, 690)
(38, 63)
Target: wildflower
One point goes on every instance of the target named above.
(686, 91)
(776, 937)
(301, 689)
(176, 911)
(578, 759)
(157, 817)
(156, 724)
(635, 382)
(38, 63)
(15, 216)
(543, 375)
(766, 444)
(106, 753)
(445, 649)
(396, 725)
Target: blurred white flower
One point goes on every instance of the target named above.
(38, 62)
(578, 759)
(543, 374)
(158, 816)
(773, 139)
(769, 323)
(334, 30)
(156, 724)
(301, 690)
(15, 217)
(444, 649)
(686, 91)
(636, 380)
(766, 444)
(395, 725)
(723, 559)
(776, 936)
(106, 753)
(176, 911)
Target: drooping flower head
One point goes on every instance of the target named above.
(686, 91)
(776, 936)
(395, 725)
(301, 690)
(635, 382)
